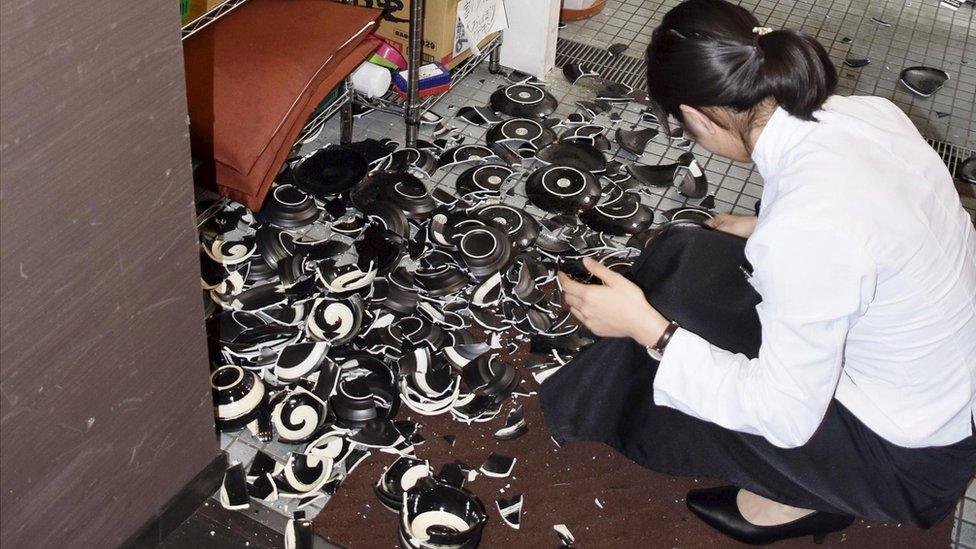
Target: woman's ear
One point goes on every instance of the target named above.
(697, 122)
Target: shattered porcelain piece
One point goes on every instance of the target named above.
(401, 476)
(623, 216)
(298, 416)
(402, 160)
(634, 141)
(562, 189)
(233, 490)
(498, 465)
(966, 171)
(583, 155)
(589, 133)
(336, 322)
(515, 425)
(330, 171)
(575, 70)
(857, 62)
(298, 532)
(694, 215)
(617, 49)
(923, 81)
(510, 511)
(523, 101)
(478, 116)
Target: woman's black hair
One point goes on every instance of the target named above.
(710, 53)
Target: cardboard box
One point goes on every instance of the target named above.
(444, 38)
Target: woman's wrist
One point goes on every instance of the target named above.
(650, 330)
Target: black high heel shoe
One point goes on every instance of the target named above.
(718, 508)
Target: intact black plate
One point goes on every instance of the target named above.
(521, 131)
(487, 178)
(562, 189)
(523, 101)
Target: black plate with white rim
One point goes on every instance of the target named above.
(521, 227)
(694, 215)
(464, 153)
(523, 101)
(562, 189)
(330, 171)
(620, 217)
(488, 178)
(518, 131)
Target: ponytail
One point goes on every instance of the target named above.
(796, 71)
(710, 53)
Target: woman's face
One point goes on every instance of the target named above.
(723, 141)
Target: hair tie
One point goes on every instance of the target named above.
(761, 31)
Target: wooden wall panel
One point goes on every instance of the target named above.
(105, 408)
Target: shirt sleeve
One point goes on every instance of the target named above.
(814, 285)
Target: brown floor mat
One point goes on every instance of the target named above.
(560, 485)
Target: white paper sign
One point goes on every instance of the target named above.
(478, 18)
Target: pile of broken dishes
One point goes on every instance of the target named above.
(359, 295)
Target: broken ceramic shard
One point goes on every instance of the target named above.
(857, 62)
(298, 416)
(624, 215)
(233, 489)
(464, 153)
(575, 70)
(498, 466)
(634, 141)
(485, 250)
(923, 81)
(521, 227)
(515, 425)
(478, 116)
(510, 510)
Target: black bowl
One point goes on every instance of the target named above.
(335, 321)
(289, 207)
(563, 189)
(485, 250)
(438, 514)
(238, 395)
(330, 171)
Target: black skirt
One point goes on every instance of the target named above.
(698, 277)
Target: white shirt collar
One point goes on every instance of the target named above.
(772, 143)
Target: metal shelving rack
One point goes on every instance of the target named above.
(392, 102)
(215, 13)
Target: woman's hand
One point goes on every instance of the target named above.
(616, 309)
(739, 225)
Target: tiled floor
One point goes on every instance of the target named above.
(921, 32)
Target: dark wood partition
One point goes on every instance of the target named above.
(105, 409)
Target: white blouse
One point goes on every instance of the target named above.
(866, 264)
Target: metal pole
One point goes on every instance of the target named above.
(494, 67)
(345, 113)
(416, 38)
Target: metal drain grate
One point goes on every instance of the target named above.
(952, 155)
(621, 68)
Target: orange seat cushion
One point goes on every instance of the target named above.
(256, 75)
